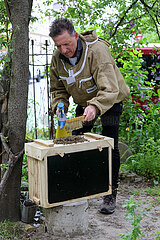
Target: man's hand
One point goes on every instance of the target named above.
(57, 112)
(90, 113)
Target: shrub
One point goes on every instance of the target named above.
(147, 161)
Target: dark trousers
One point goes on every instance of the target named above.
(110, 128)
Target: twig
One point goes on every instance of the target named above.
(146, 7)
(7, 9)
(30, 9)
(11, 163)
(121, 20)
(6, 148)
(2, 153)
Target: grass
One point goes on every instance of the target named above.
(154, 191)
(136, 191)
(11, 230)
(155, 201)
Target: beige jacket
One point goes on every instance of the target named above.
(95, 80)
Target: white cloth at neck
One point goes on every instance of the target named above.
(73, 60)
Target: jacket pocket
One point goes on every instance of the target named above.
(88, 85)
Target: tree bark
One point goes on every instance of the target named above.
(17, 104)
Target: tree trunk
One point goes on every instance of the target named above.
(17, 104)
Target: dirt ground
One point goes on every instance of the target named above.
(108, 227)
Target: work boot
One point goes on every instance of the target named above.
(109, 203)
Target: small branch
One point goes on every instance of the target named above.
(157, 20)
(6, 148)
(3, 96)
(133, 19)
(121, 20)
(2, 153)
(146, 5)
(30, 9)
(157, 29)
(7, 9)
(11, 163)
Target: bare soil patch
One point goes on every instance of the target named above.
(108, 227)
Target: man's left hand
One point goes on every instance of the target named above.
(90, 113)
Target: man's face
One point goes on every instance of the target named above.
(66, 43)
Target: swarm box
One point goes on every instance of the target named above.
(60, 174)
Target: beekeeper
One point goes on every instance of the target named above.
(82, 67)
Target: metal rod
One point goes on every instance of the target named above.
(34, 95)
(48, 91)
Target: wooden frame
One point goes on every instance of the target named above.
(38, 152)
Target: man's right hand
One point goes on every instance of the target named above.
(90, 113)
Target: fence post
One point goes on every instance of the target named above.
(34, 96)
(50, 123)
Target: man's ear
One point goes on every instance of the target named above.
(76, 35)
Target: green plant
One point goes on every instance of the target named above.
(3, 166)
(97, 128)
(138, 123)
(157, 235)
(135, 118)
(136, 191)
(116, 20)
(155, 191)
(155, 201)
(41, 133)
(11, 230)
(25, 168)
(71, 110)
(147, 161)
(134, 216)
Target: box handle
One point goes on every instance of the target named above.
(94, 136)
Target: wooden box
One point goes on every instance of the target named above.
(60, 174)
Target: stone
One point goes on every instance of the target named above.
(69, 219)
(124, 150)
(131, 177)
(29, 228)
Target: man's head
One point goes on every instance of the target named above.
(64, 36)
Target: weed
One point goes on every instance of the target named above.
(11, 230)
(25, 168)
(155, 191)
(155, 201)
(134, 215)
(146, 162)
(148, 209)
(157, 235)
(136, 192)
(3, 166)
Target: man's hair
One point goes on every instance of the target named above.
(59, 26)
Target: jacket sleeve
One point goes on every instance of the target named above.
(103, 70)
(57, 89)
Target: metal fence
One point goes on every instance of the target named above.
(39, 122)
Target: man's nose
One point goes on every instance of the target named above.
(63, 49)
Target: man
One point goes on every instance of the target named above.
(82, 67)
